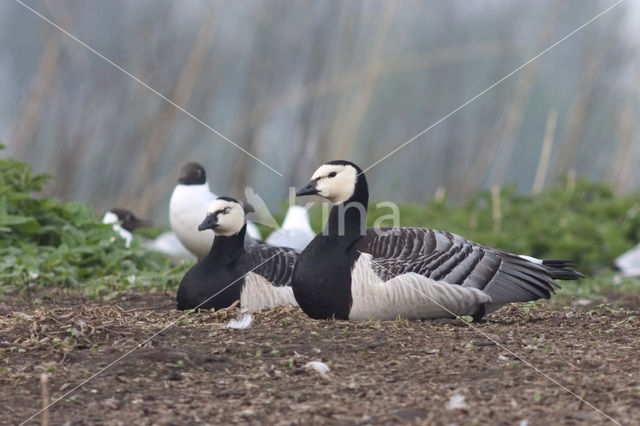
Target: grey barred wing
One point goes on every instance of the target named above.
(274, 263)
(446, 257)
(408, 243)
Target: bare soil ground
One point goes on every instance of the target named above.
(395, 372)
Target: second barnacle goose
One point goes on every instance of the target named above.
(259, 277)
(350, 272)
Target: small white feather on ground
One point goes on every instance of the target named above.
(240, 323)
(319, 367)
(457, 402)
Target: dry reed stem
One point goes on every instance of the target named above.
(545, 153)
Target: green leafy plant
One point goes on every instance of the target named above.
(46, 242)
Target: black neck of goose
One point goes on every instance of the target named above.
(227, 248)
(349, 218)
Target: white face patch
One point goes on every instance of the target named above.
(335, 182)
(230, 216)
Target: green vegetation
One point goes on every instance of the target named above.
(595, 286)
(45, 242)
(48, 243)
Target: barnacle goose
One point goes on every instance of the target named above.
(188, 205)
(296, 231)
(123, 221)
(222, 271)
(350, 272)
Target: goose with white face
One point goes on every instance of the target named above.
(225, 216)
(335, 182)
(349, 273)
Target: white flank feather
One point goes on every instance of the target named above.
(258, 293)
(409, 296)
(240, 323)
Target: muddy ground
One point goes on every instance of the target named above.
(196, 371)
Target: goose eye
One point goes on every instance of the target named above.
(332, 174)
(226, 210)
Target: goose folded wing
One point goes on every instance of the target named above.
(273, 263)
(447, 257)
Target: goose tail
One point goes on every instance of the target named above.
(561, 269)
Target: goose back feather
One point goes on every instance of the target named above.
(273, 263)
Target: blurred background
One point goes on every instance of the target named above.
(298, 83)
